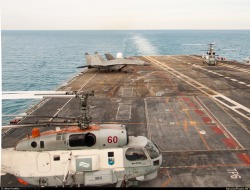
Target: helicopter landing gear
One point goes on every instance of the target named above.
(128, 183)
(43, 182)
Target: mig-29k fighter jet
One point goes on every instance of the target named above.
(111, 64)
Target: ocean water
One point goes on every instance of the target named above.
(44, 60)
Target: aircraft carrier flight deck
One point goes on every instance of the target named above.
(198, 116)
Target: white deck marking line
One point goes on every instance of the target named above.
(61, 108)
(212, 92)
(88, 81)
(233, 79)
(248, 85)
(227, 77)
(214, 73)
(241, 82)
(235, 107)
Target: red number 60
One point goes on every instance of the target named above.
(112, 139)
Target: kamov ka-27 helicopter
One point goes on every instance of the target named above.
(84, 153)
(210, 58)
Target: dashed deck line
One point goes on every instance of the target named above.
(229, 66)
(226, 77)
(206, 90)
(233, 107)
(241, 82)
(233, 80)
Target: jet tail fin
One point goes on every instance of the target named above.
(109, 56)
(88, 59)
(93, 60)
(100, 57)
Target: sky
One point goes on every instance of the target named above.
(124, 14)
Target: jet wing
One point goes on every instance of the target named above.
(96, 61)
(85, 66)
(125, 62)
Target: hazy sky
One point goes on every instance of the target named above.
(124, 14)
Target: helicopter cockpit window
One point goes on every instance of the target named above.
(152, 151)
(77, 140)
(41, 144)
(133, 154)
(88, 139)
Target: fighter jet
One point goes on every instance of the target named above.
(111, 64)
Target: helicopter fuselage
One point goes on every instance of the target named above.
(73, 138)
(104, 162)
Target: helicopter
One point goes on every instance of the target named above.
(81, 153)
(210, 58)
(246, 61)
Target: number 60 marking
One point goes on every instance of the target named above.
(112, 139)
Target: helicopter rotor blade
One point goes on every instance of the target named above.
(193, 44)
(37, 125)
(36, 94)
(228, 49)
(41, 116)
(22, 126)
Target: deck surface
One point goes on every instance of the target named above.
(198, 116)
